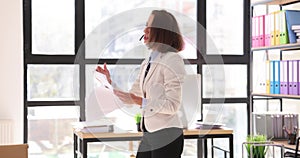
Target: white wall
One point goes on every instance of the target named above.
(11, 65)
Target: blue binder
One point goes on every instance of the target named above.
(292, 18)
(277, 77)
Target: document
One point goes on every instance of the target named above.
(102, 80)
(103, 97)
(107, 100)
(96, 126)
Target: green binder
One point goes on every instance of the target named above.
(284, 38)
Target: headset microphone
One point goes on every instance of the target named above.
(142, 37)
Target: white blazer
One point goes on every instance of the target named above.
(162, 89)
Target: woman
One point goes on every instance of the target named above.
(157, 90)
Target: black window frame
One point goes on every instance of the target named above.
(29, 58)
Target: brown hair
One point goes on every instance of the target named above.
(165, 35)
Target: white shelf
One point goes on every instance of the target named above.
(276, 95)
(272, 2)
(282, 47)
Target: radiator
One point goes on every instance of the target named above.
(6, 132)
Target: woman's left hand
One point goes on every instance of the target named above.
(128, 98)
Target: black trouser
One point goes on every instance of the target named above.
(165, 143)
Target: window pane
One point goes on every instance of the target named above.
(234, 117)
(191, 69)
(123, 77)
(53, 27)
(225, 27)
(111, 32)
(221, 81)
(52, 82)
(50, 132)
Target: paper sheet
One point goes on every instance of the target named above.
(107, 100)
(102, 79)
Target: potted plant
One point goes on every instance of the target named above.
(138, 118)
(258, 150)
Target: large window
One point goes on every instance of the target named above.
(225, 73)
(225, 26)
(64, 41)
(53, 27)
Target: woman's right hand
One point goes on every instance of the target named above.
(104, 71)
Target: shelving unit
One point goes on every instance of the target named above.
(282, 47)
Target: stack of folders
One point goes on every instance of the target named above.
(97, 126)
(275, 125)
(274, 28)
(280, 77)
(292, 19)
(296, 29)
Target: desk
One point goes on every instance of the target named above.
(200, 135)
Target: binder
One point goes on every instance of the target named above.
(261, 37)
(276, 77)
(276, 125)
(267, 67)
(272, 28)
(290, 76)
(292, 18)
(253, 32)
(267, 30)
(260, 87)
(277, 27)
(280, 125)
(295, 77)
(281, 77)
(284, 77)
(256, 31)
(298, 74)
(272, 77)
(287, 123)
(283, 30)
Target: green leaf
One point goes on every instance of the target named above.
(257, 151)
(138, 118)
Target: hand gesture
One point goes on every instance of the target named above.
(104, 71)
